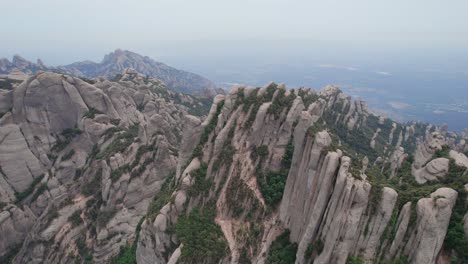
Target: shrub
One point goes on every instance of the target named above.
(201, 184)
(20, 196)
(116, 174)
(66, 137)
(272, 183)
(282, 251)
(94, 185)
(261, 151)
(127, 254)
(75, 218)
(120, 143)
(207, 130)
(354, 260)
(307, 97)
(227, 151)
(91, 113)
(40, 190)
(281, 102)
(162, 197)
(203, 240)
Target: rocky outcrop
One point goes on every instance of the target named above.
(396, 160)
(425, 149)
(15, 225)
(115, 165)
(369, 242)
(434, 214)
(340, 227)
(93, 153)
(435, 169)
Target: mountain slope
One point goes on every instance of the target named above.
(81, 160)
(114, 63)
(298, 176)
(104, 171)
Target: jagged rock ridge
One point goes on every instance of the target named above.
(114, 63)
(270, 174)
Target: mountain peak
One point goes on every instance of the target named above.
(119, 60)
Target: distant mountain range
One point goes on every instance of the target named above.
(114, 63)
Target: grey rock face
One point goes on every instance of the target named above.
(436, 168)
(15, 225)
(53, 125)
(19, 165)
(125, 155)
(433, 219)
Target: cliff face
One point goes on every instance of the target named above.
(310, 163)
(105, 171)
(81, 160)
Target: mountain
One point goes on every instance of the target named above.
(114, 63)
(20, 63)
(119, 171)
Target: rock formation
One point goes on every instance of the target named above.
(99, 170)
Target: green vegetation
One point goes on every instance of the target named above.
(3, 113)
(410, 191)
(75, 218)
(200, 106)
(10, 254)
(307, 97)
(66, 137)
(127, 254)
(20, 196)
(8, 84)
(272, 183)
(354, 260)
(115, 121)
(120, 143)
(201, 184)
(227, 151)
(314, 248)
(237, 195)
(93, 206)
(455, 238)
(253, 101)
(281, 102)
(162, 197)
(83, 251)
(203, 240)
(261, 151)
(40, 190)
(111, 131)
(93, 186)
(207, 130)
(401, 260)
(117, 173)
(91, 113)
(282, 251)
(356, 140)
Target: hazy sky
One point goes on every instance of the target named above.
(63, 31)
